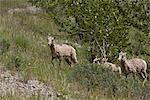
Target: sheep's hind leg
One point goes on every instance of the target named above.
(68, 60)
(144, 76)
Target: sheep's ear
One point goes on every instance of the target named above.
(54, 38)
(48, 36)
(121, 52)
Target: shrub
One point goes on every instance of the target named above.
(4, 46)
(16, 62)
(22, 42)
(92, 76)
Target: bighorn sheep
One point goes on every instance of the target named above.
(60, 51)
(134, 65)
(97, 60)
(111, 66)
(108, 65)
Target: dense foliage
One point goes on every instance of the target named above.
(96, 77)
(98, 20)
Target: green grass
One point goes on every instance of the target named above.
(28, 50)
(11, 3)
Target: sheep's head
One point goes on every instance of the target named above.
(104, 60)
(122, 56)
(96, 60)
(50, 40)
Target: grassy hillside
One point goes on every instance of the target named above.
(23, 39)
(23, 48)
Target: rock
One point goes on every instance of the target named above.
(27, 9)
(12, 84)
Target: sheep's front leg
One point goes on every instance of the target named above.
(52, 61)
(134, 75)
(60, 61)
(126, 74)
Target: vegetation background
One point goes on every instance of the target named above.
(123, 25)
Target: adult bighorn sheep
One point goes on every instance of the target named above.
(59, 51)
(134, 65)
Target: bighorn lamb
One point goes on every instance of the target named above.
(111, 66)
(108, 65)
(60, 51)
(134, 65)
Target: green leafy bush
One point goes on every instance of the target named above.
(108, 20)
(93, 77)
(17, 61)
